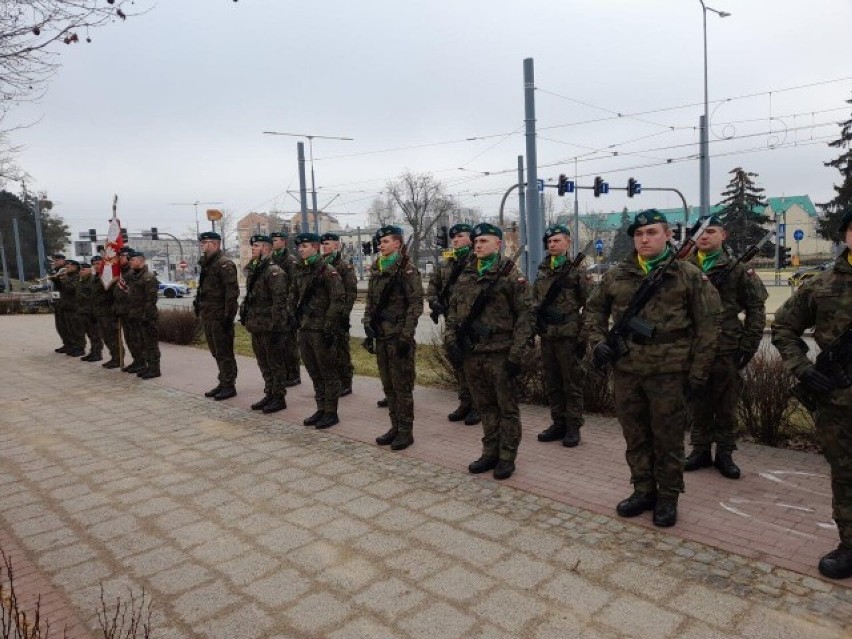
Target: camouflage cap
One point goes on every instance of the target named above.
(334, 237)
(254, 239)
(844, 222)
(485, 228)
(307, 238)
(279, 234)
(455, 229)
(645, 218)
(556, 229)
(209, 235)
(388, 230)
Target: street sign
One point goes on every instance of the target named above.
(183, 264)
(782, 230)
(540, 185)
(569, 186)
(798, 235)
(599, 246)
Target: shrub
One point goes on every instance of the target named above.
(179, 326)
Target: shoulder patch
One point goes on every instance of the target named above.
(522, 280)
(750, 272)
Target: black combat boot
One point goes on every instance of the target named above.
(293, 382)
(552, 433)
(327, 421)
(151, 372)
(382, 403)
(87, 358)
(665, 512)
(636, 504)
(95, 357)
(472, 418)
(504, 469)
(259, 404)
(313, 419)
(403, 440)
(724, 463)
(482, 465)
(226, 392)
(459, 414)
(133, 367)
(75, 352)
(212, 392)
(274, 405)
(387, 438)
(572, 437)
(837, 564)
(61, 349)
(113, 363)
(698, 458)
(345, 390)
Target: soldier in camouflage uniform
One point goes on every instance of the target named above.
(68, 306)
(825, 303)
(559, 327)
(492, 347)
(120, 288)
(59, 319)
(216, 304)
(287, 262)
(714, 413)
(86, 313)
(264, 314)
(333, 256)
(316, 306)
(102, 305)
(143, 317)
(655, 379)
(390, 321)
(439, 300)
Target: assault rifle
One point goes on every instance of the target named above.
(545, 316)
(630, 322)
(374, 329)
(718, 278)
(471, 329)
(835, 362)
(443, 302)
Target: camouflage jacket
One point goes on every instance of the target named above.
(285, 261)
(562, 318)
(218, 288)
(102, 302)
(120, 288)
(142, 295)
(265, 303)
(405, 306)
(741, 292)
(350, 282)
(442, 274)
(86, 295)
(506, 316)
(824, 302)
(684, 312)
(325, 308)
(66, 284)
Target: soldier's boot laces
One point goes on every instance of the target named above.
(636, 504)
(382, 403)
(665, 513)
(837, 564)
(459, 414)
(327, 421)
(724, 463)
(472, 418)
(698, 458)
(572, 437)
(273, 405)
(552, 433)
(504, 469)
(259, 404)
(226, 392)
(387, 438)
(313, 419)
(483, 465)
(402, 440)
(212, 392)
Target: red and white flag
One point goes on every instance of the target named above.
(114, 242)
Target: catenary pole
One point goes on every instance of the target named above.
(303, 194)
(535, 226)
(21, 275)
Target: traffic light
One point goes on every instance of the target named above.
(600, 186)
(677, 232)
(633, 187)
(366, 248)
(93, 235)
(783, 257)
(443, 238)
(561, 184)
(154, 233)
(124, 234)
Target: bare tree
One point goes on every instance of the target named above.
(382, 210)
(422, 202)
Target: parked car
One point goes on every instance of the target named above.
(174, 289)
(802, 275)
(39, 288)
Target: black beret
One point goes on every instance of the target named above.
(844, 222)
(209, 235)
(484, 228)
(645, 218)
(455, 229)
(281, 234)
(135, 253)
(309, 238)
(85, 264)
(96, 258)
(58, 256)
(388, 230)
(125, 250)
(556, 229)
(260, 238)
(329, 236)
(72, 263)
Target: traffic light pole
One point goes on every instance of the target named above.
(670, 190)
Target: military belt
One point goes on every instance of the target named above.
(661, 338)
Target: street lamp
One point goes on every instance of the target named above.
(705, 124)
(311, 152)
(195, 204)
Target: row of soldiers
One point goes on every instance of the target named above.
(108, 315)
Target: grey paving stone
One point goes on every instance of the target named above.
(195, 533)
(256, 523)
(629, 614)
(82, 575)
(509, 609)
(314, 614)
(96, 515)
(51, 539)
(312, 516)
(365, 507)
(248, 567)
(180, 578)
(636, 578)
(491, 525)
(351, 575)
(459, 544)
(438, 621)
(115, 527)
(246, 622)
(583, 559)
(577, 592)
(390, 597)
(220, 549)
(278, 589)
(380, 544)
(387, 488)
(337, 495)
(155, 560)
(315, 556)
(205, 602)
(285, 538)
(763, 623)
(457, 583)
(155, 506)
(343, 528)
(65, 556)
(521, 571)
(364, 628)
(37, 525)
(399, 519)
(417, 563)
(709, 605)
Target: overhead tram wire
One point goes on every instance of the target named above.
(604, 109)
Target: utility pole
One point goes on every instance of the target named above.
(303, 195)
(42, 270)
(360, 251)
(575, 245)
(5, 266)
(20, 259)
(522, 217)
(535, 227)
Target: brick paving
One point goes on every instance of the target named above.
(243, 525)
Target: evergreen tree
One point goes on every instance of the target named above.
(842, 202)
(742, 212)
(622, 245)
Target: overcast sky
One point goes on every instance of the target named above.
(169, 106)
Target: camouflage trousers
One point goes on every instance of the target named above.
(344, 360)
(74, 328)
(59, 323)
(397, 374)
(319, 359)
(220, 340)
(652, 413)
(562, 381)
(291, 354)
(462, 388)
(268, 350)
(130, 338)
(835, 437)
(89, 324)
(149, 341)
(714, 411)
(108, 328)
(495, 398)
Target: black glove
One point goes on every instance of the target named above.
(455, 354)
(436, 306)
(816, 380)
(403, 347)
(743, 359)
(602, 355)
(513, 369)
(344, 324)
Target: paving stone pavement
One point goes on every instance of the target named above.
(242, 526)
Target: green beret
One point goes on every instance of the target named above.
(714, 221)
(135, 253)
(209, 235)
(329, 236)
(72, 263)
(254, 239)
(455, 229)
(388, 230)
(279, 234)
(85, 264)
(651, 216)
(309, 238)
(125, 250)
(844, 222)
(484, 228)
(556, 229)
